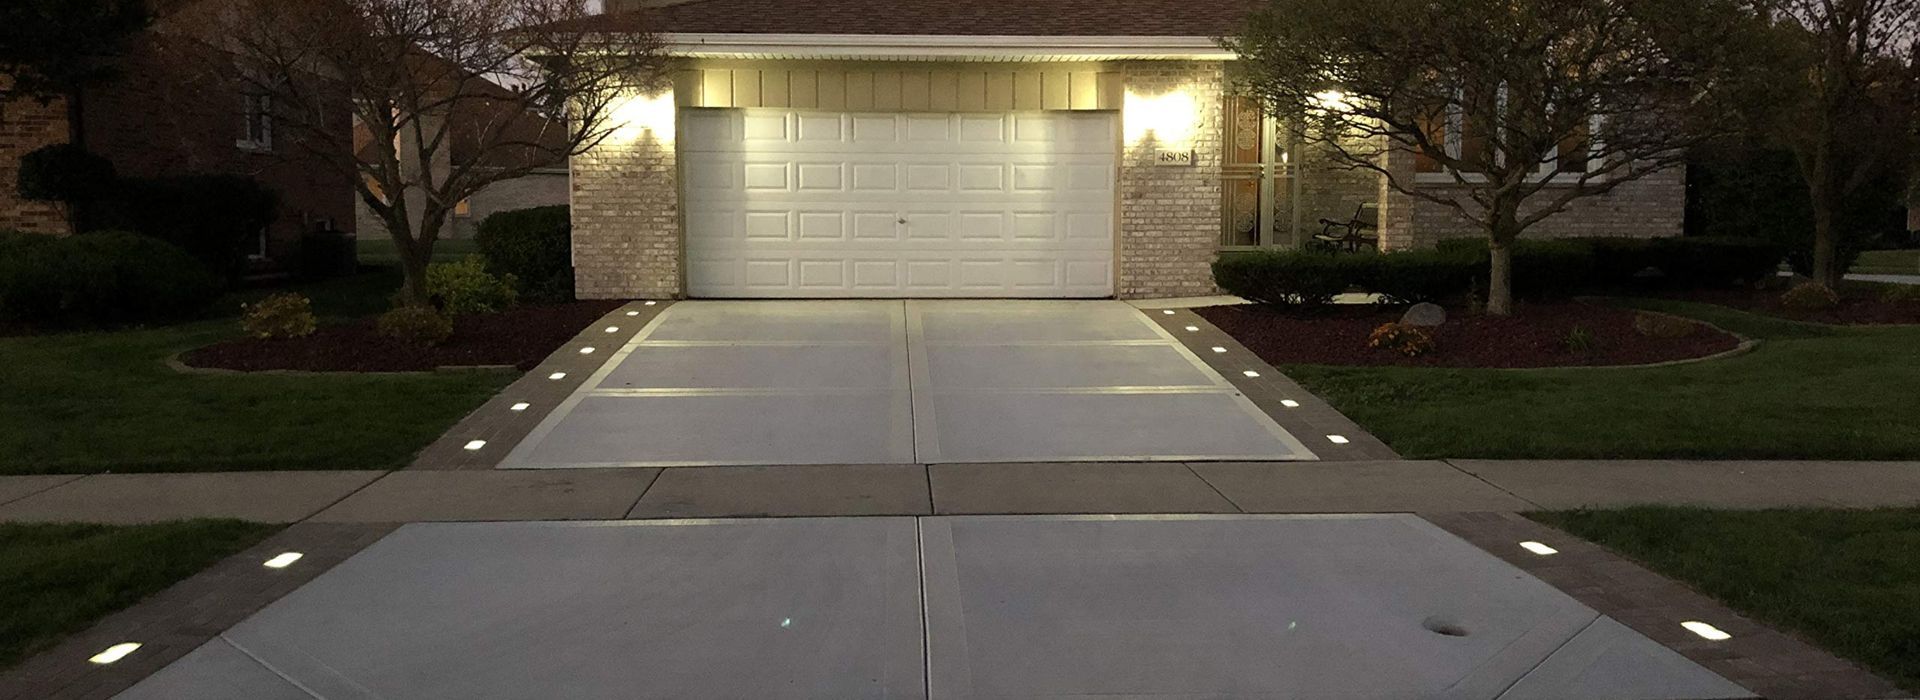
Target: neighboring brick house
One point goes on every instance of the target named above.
(993, 148)
(167, 115)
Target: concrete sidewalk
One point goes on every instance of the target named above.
(1051, 488)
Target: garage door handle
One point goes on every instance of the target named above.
(902, 221)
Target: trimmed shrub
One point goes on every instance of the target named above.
(279, 316)
(328, 254)
(1811, 296)
(1298, 278)
(1663, 326)
(215, 218)
(1411, 277)
(104, 278)
(1541, 269)
(532, 245)
(63, 172)
(1714, 261)
(415, 324)
(465, 287)
(1402, 338)
(1621, 261)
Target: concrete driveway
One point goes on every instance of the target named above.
(1383, 606)
(900, 382)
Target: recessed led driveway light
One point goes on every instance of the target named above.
(522, 406)
(557, 375)
(613, 329)
(1337, 439)
(282, 560)
(1251, 373)
(633, 313)
(1538, 548)
(115, 653)
(1290, 403)
(1193, 329)
(1168, 312)
(1217, 348)
(1706, 631)
(586, 351)
(651, 303)
(476, 444)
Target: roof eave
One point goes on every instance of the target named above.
(931, 46)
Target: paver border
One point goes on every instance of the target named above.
(1759, 658)
(502, 428)
(185, 615)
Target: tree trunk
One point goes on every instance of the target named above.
(1825, 245)
(416, 252)
(1500, 278)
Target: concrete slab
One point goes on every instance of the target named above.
(1029, 322)
(1237, 606)
(1037, 426)
(1354, 487)
(1061, 366)
(663, 609)
(757, 367)
(273, 497)
(783, 491)
(1071, 488)
(419, 495)
(717, 429)
(1606, 484)
(13, 488)
(875, 322)
(217, 670)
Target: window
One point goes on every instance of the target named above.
(256, 123)
(1464, 137)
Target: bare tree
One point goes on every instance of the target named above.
(451, 95)
(1849, 104)
(1510, 109)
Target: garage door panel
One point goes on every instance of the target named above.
(792, 203)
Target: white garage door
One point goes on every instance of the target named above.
(785, 203)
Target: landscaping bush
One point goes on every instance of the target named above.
(534, 246)
(1403, 338)
(101, 278)
(215, 218)
(1810, 296)
(1299, 278)
(1579, 340)
(327, 254)
(465, 287)
(1541, 269)
(415, 324)
(1901, 294)
(284, 315)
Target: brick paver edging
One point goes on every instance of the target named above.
(185, 615)
(1759, 658)
(501, 427)
(1310, 419)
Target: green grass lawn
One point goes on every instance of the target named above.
(58, 579)
(379, 250)
(1813, 392)
(106, 401)
(1846, 580)
(1888, 262)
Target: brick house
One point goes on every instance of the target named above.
(168, 115)
(995, 148)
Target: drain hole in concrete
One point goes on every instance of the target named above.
(1441, 625)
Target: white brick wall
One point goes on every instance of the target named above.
(1170, 216)
(626, 219)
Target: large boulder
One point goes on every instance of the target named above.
(1424, 314)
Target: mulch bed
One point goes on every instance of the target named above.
(1536, 336)
(521, 336)
(1860, 305)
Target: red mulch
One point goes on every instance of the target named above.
(1536, 336)
(1859, 305)
(521, 336)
